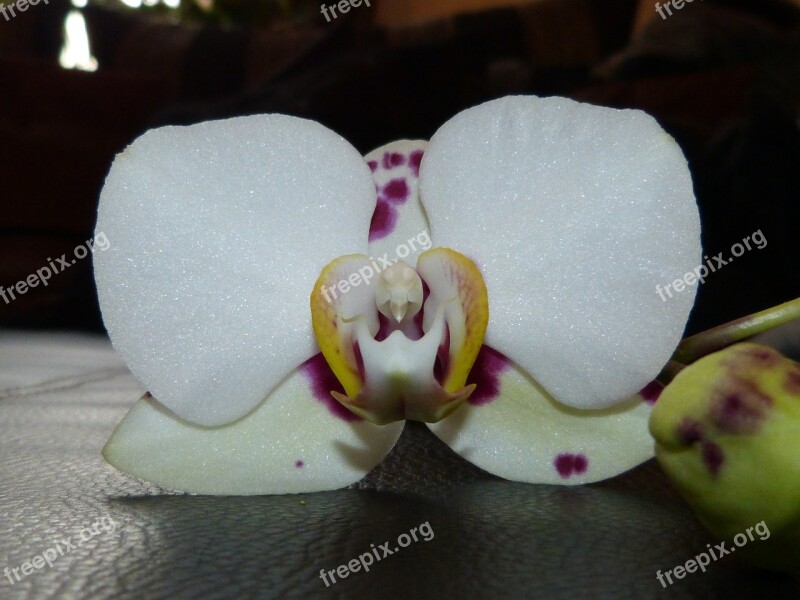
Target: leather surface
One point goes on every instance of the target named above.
(61, 396)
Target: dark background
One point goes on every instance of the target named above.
(722, 77)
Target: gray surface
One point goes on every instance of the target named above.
(60, 398)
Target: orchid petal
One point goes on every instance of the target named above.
(512, 428)
(297, 440)
(574, 214)
(217, 233)
(399, 221)
(336, 304)
(456, 284)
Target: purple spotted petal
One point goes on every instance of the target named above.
(298, 439)
(399, 229)
(511, 428)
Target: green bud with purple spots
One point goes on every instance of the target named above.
(727, 432)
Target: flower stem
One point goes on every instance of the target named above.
(669, 372)
(697, 346)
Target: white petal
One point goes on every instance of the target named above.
(217, 233)
(293, 442)
(574, 214)
(511, 429)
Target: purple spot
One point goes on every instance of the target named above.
(414, 160)
(147, 395)
(742, 410)
(581, 464)
(323, 382)
(485, 374)
(563, 464)
(299, 464)
(393, 159)
(373, 165)
(426, 291)
(441, 366)
(568, 465)
(359, 360)
(384, 328)
(689, 432)
(651, 392)
(396, 191)
(792, 384)
(761, 355)
(748, 358)
(383, 221)
(713, 457)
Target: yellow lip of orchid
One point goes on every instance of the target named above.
(395, 378)
(222, 228)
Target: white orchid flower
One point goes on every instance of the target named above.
(502, 289)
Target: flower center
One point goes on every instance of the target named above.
(399, 353)
(399, 293)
